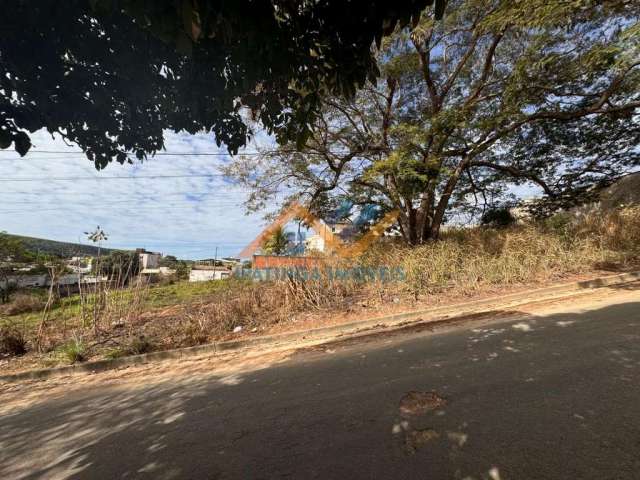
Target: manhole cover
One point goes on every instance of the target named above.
(419, 403)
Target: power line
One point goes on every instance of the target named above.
(73, 179)
(217, 193)
(137, 205)
(107, 204)
(197, 154)
(172, 154)
(121, 212)
(135, 201)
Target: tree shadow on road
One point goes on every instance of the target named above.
(522, 394)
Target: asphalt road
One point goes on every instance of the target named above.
(543, 397)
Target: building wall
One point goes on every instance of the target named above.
(150, 260)
(315, 243)
(273, 261)
(24, 281)
(208, 275)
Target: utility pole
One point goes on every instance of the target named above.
(215, 258)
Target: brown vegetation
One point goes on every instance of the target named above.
(142, 318)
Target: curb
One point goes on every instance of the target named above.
(433, 315)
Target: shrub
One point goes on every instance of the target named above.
(139, 345)
(617, 230)
(136, 346)
(559, 223)
(6, 292)
(12, 341)
(25, 303)
(74, 350)
(498, 217)
(466, 260)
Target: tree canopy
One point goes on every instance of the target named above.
(495, 94)
(111, 76)
(11, 249)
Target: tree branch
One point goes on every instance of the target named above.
(425, 63)
(486, 70)
(514, 172)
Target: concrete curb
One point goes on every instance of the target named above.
(432, 315)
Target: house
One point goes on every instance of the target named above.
(230, 262)
(148, 260)
(44, 280)
(317, 241)
(206, 273)
(326, 236)
(80, 264)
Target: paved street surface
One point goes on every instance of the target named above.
(547, 396)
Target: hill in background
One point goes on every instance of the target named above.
(61, 249)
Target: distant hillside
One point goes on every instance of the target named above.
(62, 249)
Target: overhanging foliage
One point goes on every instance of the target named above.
(111, 75)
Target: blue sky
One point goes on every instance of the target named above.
(188, 217)
(60, 196)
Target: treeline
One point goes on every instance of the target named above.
(56, 248)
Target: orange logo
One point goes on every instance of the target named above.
(332, 241)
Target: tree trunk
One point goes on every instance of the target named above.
(433, 233)
(426, 212)
(412, 226)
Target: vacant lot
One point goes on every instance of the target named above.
(466, 263)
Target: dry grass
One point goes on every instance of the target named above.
(252, 306)
(467, 260)
(24, 302)
(12, 341)
(143, 318)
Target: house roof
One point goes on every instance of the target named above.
(295, 210)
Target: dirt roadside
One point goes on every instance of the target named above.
(223, 367)
(181, 325)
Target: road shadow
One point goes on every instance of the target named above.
(538, 397)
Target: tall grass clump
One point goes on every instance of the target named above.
(75, 350)
(468, 259)
(615, 230)
(256, 305)
(12, 341)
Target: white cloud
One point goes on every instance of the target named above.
(187, 216)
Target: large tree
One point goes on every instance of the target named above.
(112, 75)
(495, 93)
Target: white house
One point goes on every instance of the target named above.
(80, 264)
(148, 260)
(166, 271)
(205, 273)
(316, 242)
